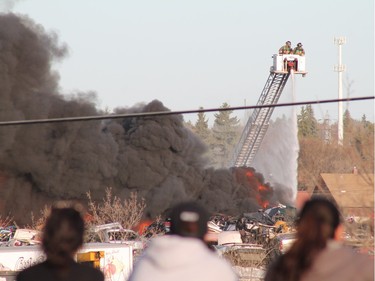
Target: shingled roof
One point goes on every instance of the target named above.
(352, 192)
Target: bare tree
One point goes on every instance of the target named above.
(128, 212)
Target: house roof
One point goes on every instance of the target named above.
(351, 191)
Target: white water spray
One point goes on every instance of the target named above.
(278, 154)
(295, 144)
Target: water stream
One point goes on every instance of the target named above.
(278, 154)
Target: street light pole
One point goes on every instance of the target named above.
(340, 68)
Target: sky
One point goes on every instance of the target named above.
(194, 53)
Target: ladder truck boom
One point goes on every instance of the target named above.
(257, 125)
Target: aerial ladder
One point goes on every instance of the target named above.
(257, 125)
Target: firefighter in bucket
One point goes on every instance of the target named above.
(286, 49)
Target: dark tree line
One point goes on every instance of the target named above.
(318, 141)
(221, 138)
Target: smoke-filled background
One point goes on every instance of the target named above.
(157, 157)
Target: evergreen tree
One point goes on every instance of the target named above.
(189, 125)
(367, 125)
(225, 135)
(364, 119)
(201, 126)
(307, 124)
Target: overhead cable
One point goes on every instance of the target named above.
(163, 113)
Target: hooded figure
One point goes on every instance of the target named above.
(182, 254)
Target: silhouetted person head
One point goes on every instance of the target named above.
(318, 222)
(189, 219)
(62, 235)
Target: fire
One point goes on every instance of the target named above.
(142, 226)
(249, 174)
(255, 182)
(87, 217)
(263, 192)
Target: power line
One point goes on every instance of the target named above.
(163, 113)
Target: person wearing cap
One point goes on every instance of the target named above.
(182, 254)
(286, 49)
(299, 50)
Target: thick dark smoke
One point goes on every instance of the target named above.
(156, 156)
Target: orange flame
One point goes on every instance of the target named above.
(249, 174)
(261, 192)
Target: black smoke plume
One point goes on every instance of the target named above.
(155, 156)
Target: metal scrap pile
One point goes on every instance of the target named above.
(11, 236)
(256, 227)
(248, 241)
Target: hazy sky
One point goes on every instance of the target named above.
(196, 53)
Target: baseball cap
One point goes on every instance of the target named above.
(189, 219)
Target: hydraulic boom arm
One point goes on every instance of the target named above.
(257, 124)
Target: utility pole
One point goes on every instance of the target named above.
(340, 68)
